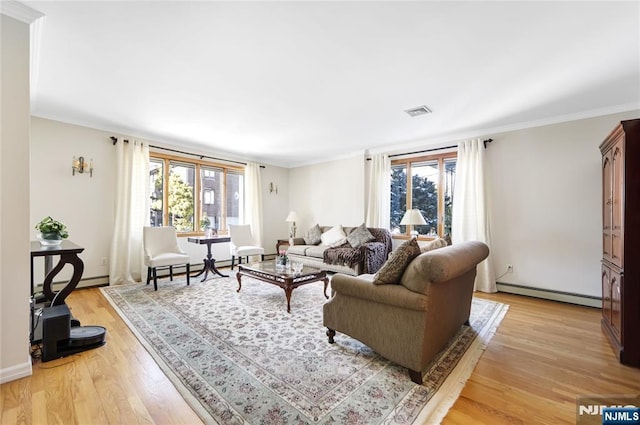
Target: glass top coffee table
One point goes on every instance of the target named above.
(287, 280)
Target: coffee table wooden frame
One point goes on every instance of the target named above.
(266, 272)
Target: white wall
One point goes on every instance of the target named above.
(329, 193)
(545, 204)
(85, 204)
(275, 206)
(15, 361)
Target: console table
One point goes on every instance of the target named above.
(209, 261)
(68, 252)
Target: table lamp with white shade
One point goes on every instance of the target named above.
(413, 217)
(292, 218)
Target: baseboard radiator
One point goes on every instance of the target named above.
(549, 294)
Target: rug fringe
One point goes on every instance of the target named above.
(452, 387)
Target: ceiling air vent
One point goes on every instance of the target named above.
(420, 110)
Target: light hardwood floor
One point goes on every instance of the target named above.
(542, 357)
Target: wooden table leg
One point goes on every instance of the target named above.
(288, 292)
(57, 298)
(288, 289)
(238, 276)
(326, 283)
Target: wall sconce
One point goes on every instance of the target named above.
(79, 165)
(273, 188)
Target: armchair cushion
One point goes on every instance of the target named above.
(392, 270)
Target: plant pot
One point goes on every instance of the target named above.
(50, 239)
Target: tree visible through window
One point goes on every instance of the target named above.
(426, 184)
(174, 185)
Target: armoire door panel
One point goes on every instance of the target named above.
(617, 205)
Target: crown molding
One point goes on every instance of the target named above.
(19, 11)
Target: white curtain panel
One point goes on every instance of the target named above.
(253, 200)
(470, 217)
(378, 208)
(131, 212)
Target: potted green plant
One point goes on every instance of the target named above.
(51, 232)
(204, 222)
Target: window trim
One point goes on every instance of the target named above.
(406, 162)
(197, 210)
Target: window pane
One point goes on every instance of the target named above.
(212, 184)
(424, 195)
(181, 179)
(398, 197)
(156, 173)
(235, 197)
(449, 184)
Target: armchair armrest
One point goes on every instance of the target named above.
(363, 288)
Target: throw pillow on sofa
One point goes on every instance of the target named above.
(312, 237)
(393, 269)
(359, 236)
(434, 244)
(334, 236)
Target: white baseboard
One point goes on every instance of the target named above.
(18, 371)
(548, 294)
(84, 283)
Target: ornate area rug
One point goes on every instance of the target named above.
(240, 358)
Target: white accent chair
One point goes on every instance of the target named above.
(161, 250)
(242, 243)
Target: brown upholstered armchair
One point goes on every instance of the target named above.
(411, 321)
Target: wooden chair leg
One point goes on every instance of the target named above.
(261, 257)
(149, 275)
(233, 260)
(331, 333)
(415, 376)
(155, 279)
(171, 273)
(187, 274)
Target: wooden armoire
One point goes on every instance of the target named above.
(621, 240)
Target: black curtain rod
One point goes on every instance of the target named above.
(434, 149)
(115, 140)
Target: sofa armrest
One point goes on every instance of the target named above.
(363, 288)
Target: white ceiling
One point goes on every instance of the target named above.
(290, 83)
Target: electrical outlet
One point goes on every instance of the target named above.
(509, 268)
(104, 261)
